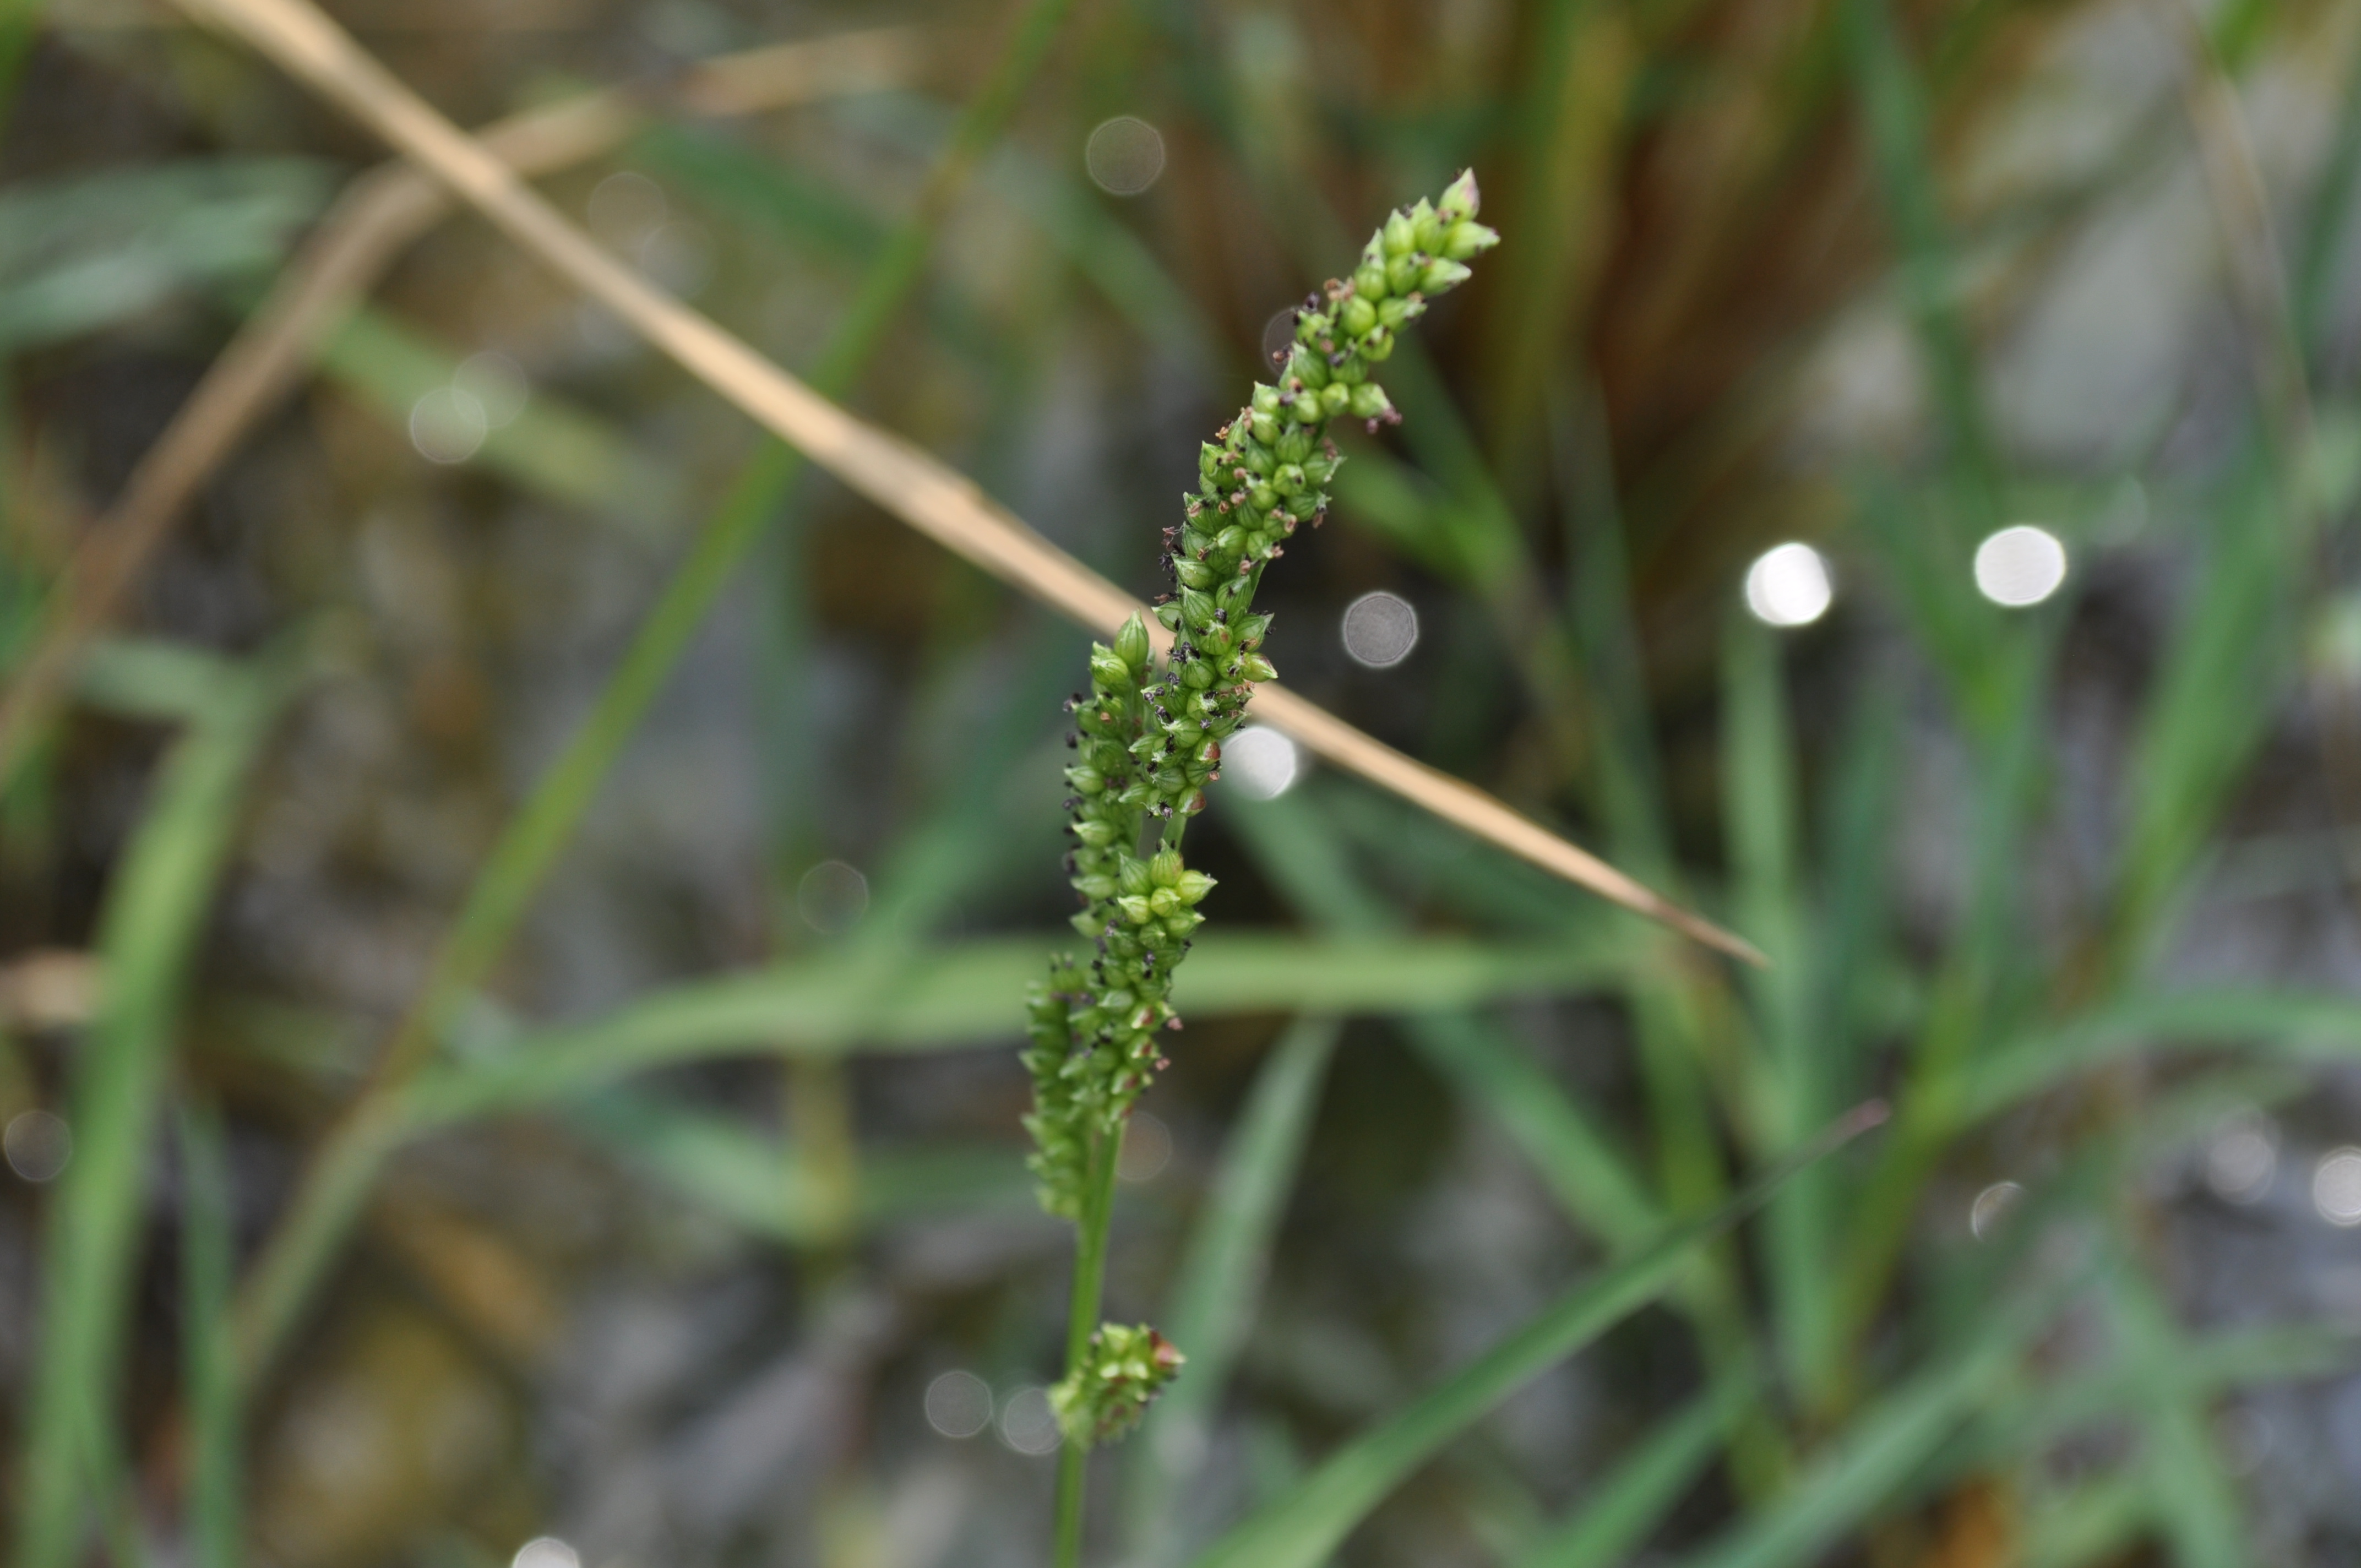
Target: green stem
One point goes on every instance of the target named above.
(1082, 1322)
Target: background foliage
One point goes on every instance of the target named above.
(529, 950)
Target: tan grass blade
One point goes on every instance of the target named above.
(898, 477)
(377, 214)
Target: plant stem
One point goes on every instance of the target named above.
(1082, 1322)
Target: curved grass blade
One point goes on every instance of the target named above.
(1616, 1518)
(90, 251)
(1880, 1451)
(2196, 1511)
(755, 1181)
(2097, 1522)
(963, 995)
(1221, 1277)
(147, 935)
(2310, 1027)
(1292, 844)
(1312, 1520)
(329, 1202)
(550, 447)
(209, 1373)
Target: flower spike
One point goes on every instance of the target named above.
(1149, 741)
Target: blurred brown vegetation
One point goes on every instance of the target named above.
(1880, 278)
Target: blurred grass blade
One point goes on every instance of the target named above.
(91, 251)
(2203, 1370)
(1312, 1520)
(752, 1179)
(970, 994)
(1630, 782)
(1427, 860)
(1877, 1452)
(1310, 865)
(2331, 210)
(1893, 116)
(549, 448)
(526, 849)
(1221, 1280)
(2306, 1027)
(2190, 1496)
(141, 677)
(2096, 1522)
(1760, 785)
(1615, 1517)
(756, 188)
(2203, 722)
(1580, 65)
(19, 20)
(326, 1207)
(1586, 1169)
(154, 913)
(209, 1398)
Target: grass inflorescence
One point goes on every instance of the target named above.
(1148, 740)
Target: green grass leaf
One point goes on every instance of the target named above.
(1312, 1518)
(2308, 1028)
(972, 994)
(2191, 1499)
(551, 449)
(1879, 1450)
(1615, 1517)
(755, 1181)
(209, 1394)
(153, 915)
(88, 251)
(1220, 1278)
(1314, 870)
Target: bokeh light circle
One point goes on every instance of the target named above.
(497, 383)
(2337, 1187)
(1146, 1148)
(447, 425)
(626, 208)
(1278, 337)
(2020, 565)
(959, 1404)
(1379, 629)
(1259, 763)
(1028, 1424)
(545, 1551)
(832, 897)
(1789, 585)
(1124, 155)
(1992, 1206)
(2242, 1158)
(37, 1145)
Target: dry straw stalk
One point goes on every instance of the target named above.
(899, 478)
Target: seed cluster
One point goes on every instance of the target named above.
(1149, 741)
(1126, 1368)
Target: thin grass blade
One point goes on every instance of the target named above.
(1614, 1518)
(1221, 1280)
(971, 995)
(154, 914)
(1313, 1518)
(215, 1504)
(1878, 1450)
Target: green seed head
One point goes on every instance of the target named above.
(1151, 740)
(1131, 645)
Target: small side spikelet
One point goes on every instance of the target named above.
(1104, 1397)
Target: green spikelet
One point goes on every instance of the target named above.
(1148, 740)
